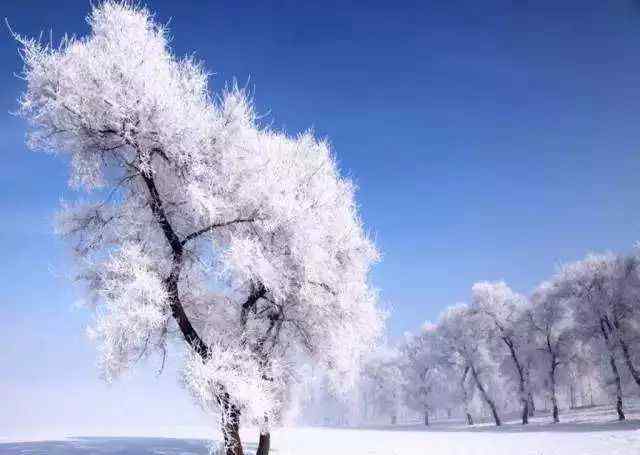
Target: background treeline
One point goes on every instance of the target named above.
(573, 342)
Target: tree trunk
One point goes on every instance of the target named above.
(231, 430)
(572, 396)
(627, 358)
(532, 405)
(521, 378)
(465, 395)
(616, 377)
(230, 414)
(614, 368)
(556, 412)
(552, 382)
(426, 418)
(485, 396)
(264, 444)
(469, 419)
(525, 411)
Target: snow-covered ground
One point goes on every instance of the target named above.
(585, 432)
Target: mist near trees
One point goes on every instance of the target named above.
(572, 342)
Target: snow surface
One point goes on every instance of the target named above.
(586, 432)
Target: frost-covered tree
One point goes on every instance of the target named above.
(424, 371)
(199, 225)
(600, 293)
(504, 312)
(627, 312)
(463, 386)
(382, 383)
(463, 335)
(551, 323)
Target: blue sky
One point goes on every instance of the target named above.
(490, 140)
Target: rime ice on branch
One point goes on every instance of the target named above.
(239, 240)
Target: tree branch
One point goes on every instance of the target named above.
(257, 293)
(171, 282)
(211, 227)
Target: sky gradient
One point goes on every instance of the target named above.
(489, 140)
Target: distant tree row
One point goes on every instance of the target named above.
(505, 351)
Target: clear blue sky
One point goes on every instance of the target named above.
(490, 140)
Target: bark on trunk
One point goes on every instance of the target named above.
(231, 431)
(485, 396)
(426, 418)
(469, 419)
(264, 444)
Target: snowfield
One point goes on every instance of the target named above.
(585, 432)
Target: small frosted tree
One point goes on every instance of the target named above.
(424, 371)
(382, 381)
(235, 241)
(504, 312)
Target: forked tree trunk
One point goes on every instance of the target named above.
(485, 396)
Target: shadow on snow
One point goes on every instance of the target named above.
(113, 446)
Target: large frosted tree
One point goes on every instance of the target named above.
(200, 227)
